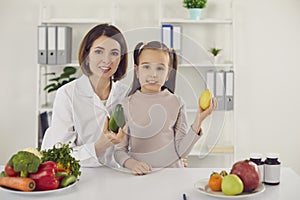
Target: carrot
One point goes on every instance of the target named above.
(18, 183)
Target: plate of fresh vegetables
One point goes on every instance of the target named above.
(31, 171)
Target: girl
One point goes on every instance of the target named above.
(81, 107)
(157, 125)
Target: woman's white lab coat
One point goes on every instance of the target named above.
(78, 116)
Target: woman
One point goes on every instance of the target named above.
(81, 107)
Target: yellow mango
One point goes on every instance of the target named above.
(205, 99)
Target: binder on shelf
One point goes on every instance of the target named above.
(177, 35)
(229, 92)
(210, 81)
(44, 122)
(167, 35)
(52, 45)
(220, 89)
(42, 45)
(64, 44)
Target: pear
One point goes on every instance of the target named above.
(232, 185)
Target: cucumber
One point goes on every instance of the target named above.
(117, 119)
(68, 180)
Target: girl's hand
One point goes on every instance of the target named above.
(185, 162)
(141, 168)
(137, 167)
(202, 115)
(208, 111)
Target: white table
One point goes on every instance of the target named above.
(166, 184)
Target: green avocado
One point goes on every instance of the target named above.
(117, 119)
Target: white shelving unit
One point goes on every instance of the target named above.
(212, 30)
(200, 21)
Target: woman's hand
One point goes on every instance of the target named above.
(114, 138)
(202, 115)
(109, 138)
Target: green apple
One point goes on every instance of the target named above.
(232, 185)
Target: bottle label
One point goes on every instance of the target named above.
(272, 173)
(261, 172)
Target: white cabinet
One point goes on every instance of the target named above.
(215, 29)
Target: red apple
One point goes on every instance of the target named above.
(248, 173)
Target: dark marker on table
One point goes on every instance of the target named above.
(184, 197)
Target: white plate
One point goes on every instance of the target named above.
(37, 192)
(202, 187)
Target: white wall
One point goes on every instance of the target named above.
(267, 86)
(18, 20)
(267, 79)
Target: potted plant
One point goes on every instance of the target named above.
(215, 52)
(60, 80)
(195, 7)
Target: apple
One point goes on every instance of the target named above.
(232, 185)
(248, 173)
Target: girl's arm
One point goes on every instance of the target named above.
(185, 141)
(123, 158)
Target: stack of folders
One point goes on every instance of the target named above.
(221, 84)
(54, 45)
(171, 36)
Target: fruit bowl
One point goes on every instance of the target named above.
(9, 190)
(202, 187)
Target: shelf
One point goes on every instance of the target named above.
(75, 21)
(216, 150)
(201, 21)
(63, 65)
(227, 65)
(45, 108)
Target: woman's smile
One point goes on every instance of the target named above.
(104, 69)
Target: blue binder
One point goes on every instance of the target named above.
(167, 35)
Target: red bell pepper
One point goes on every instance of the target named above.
(49, 164)
(9, 170)
(45, 177)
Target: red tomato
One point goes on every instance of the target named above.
(9, 171)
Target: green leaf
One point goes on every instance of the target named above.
(64, 75)
(72, 79)
(51, 90)
(55, 79)
(70, 70)
(60, 80)
(64, 82)
(49, 86)
(50, 73)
